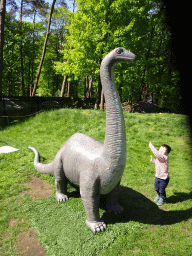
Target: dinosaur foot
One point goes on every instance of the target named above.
(61, 197)
(96, 226)
(115, 209)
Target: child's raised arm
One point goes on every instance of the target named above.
(159, 155)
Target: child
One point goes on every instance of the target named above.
(162, 175)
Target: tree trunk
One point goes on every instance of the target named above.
(98, 95)
(73, 6)
(33, 54)
(29, 80)
(44, 49)
(90, 86)
(68, 89)
(21, 50)
(102, 100)
(86, 87)
(2, 20)
(63, 86)
(73, 88)
(69, 83)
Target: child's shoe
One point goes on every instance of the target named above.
(157, 198)
(161, 201)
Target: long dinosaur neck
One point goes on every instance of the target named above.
(115, 137)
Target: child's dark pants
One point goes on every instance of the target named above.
(160, 186)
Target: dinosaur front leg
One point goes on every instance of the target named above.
(112, 204)
(90, 196)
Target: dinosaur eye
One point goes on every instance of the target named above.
(119, 50)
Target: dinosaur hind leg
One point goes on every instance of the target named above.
(60, 183)
(61, 187)
(112, 205)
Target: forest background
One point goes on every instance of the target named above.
(77, 42)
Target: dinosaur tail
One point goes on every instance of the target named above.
(42, 168)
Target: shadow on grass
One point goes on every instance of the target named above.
(11, 122)
(179, 197)
(140, 209)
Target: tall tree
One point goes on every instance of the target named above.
(44, 48)
(60, 20)
(65, 77)
(35, 7)
(21, 49)
(26, 8)
(50, 81)
(2, 21)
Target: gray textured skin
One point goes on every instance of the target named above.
(94, 166)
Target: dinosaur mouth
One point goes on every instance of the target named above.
(127, 58)
(133, 59)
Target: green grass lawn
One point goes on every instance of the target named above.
(143, 229)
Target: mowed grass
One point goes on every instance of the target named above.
(143, 229)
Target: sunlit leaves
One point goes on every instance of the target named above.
(96, 28)
(100, 26)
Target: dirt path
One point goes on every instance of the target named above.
(37, 188)
(27, 242)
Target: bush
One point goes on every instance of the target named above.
(145, 107)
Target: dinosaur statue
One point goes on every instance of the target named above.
(94, 166)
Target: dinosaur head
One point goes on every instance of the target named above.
(123, 55)
(119, 54)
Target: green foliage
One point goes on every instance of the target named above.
(50, 82)
(79, 41)
(95, 29)
(144, 229)
(12, 63)
(32, 40)
(98, 27)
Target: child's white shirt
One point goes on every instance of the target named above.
(161, 163)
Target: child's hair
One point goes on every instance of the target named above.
(168, 149)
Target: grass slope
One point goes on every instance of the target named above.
(143, 229)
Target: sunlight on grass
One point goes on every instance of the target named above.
(144, 229)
